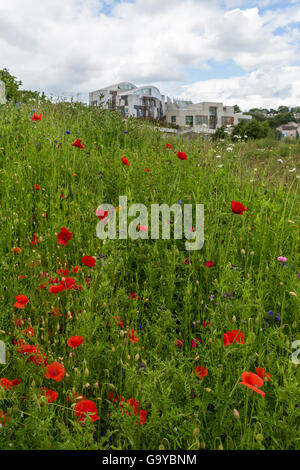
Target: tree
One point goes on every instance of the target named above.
(12, 92)
(253, 129)
(237, 108)
(283, 109)
(11, 85)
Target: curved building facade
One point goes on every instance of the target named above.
(130, 100)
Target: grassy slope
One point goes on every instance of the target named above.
(174, 286)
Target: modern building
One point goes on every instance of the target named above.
(2, 92)
(208, 115)
(291, 130)
(130, 100)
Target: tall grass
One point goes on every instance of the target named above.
(177, 291)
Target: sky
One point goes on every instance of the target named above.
(243, 52)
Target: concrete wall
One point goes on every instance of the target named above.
(2, 93)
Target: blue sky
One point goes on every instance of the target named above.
(234, 51)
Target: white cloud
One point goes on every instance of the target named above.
(72, 46)
(258, 89)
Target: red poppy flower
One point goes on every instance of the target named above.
(89, 261)
(56, 289)
(205, 323)
(125, 161)
(4, 418)
(64, 236)
(78, 144)
(63, 272)
(68, 283)
(238, 207)
(252, 381)
(234, 336)
(182, 156)
(143, 416)
(131, 336)
(75, 341)
(168, 146)
(86, 408)
(142, 228)
(76, 269)
(147, 169)
(101, 214)
(39, 358)
(201, 371)
(6, 383)
(209, 264)
(22, 300)
(35, 239)
(37, 186)
(260, 371)
(29, 332)
(133, 296)
(112, 395)
(55, 371)
(36, 117)
(195, 341)
(178, 342)
(119, 322)
(16, 249)
(51, 394)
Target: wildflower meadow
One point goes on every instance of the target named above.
(122, 343)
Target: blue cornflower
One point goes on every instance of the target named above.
(270, 313)
(68, 132)
(299, 274)
(277, 318)
(141, 327)
(125, 132)
(179, 202)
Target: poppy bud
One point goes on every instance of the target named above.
(137, 356)
(243, 251)
(161, 447)
(96, 385)
(220, 447)
(196, 432)
(236, 414)
(259, 437)
(234, 318)
(86, 372)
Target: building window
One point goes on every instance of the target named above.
(189, 120)
(212, 117)
(201, 119)
(227, 120)
(173, 119)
